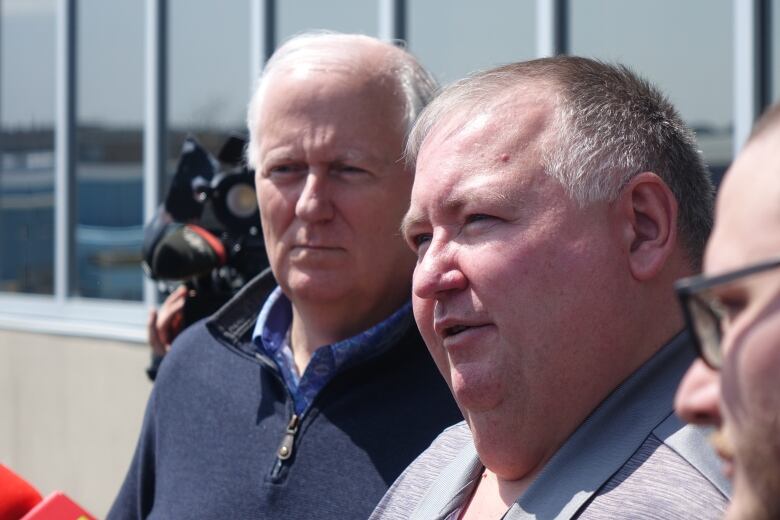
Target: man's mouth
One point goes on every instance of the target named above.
(446, 331)
(315, 247)
(455, 330)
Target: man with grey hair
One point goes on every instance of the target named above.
(555, 202)
(307, 394)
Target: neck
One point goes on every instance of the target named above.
(314, 326)
(494, 495)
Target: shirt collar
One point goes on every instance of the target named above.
(273, 322)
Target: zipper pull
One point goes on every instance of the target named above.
(286, 447)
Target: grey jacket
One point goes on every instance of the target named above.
(631, 458)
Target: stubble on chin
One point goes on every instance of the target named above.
(757, 478)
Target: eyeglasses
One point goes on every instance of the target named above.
(705, 311)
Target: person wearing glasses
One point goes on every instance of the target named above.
(555, 202)
(733, 312)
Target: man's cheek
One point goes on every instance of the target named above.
(423, 314)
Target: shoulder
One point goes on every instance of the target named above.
(205, 344)
(407, 491)
(672, 475)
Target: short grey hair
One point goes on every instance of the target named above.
(609, 125)
(416, 84)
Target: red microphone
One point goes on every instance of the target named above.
(20, 501)
(17, 497)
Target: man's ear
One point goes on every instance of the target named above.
(646, 210)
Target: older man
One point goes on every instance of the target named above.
(554, 204)
(308, 393)
(734, 313)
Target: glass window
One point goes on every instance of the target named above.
(348, 16)
(208, 72)
(687, 55)
(27, 113)
(453, 38)
(109, 119)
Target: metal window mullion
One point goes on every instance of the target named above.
(262, 36)
(750, 85)
(155, 116)
(552, 27)
(392, 20)
(64, 171)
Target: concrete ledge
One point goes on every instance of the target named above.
(71, 411)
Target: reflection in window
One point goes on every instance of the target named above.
(109, 178)
(27, 68)
(347, 16)
(455, 38)
(687, 55)
(208, 76)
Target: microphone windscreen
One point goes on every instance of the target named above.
(17, 496)
(58, 506)
(186, 251)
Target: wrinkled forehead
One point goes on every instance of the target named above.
(339, 110)
(311, 88)
(747, 217)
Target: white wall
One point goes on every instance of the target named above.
(70, 412)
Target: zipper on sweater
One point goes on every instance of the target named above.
(285, 449)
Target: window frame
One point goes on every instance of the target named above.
(113, 319)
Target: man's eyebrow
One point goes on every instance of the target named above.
(410, 220)
(413, 218)
(452, 204)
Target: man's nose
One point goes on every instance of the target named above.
(698, 397)
(438, 272)
(314, 203)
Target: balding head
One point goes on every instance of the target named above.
(353, 55)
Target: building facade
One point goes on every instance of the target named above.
(97, 97)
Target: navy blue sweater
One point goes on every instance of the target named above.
(219, 416)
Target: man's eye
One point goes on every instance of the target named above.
(478, 217)
(419, 241)
(729, 306)
(347, 170)
(732, 305)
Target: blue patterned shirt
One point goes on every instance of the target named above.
(272, 338)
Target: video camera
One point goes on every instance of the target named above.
(207, 232)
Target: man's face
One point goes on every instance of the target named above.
(747, 231)
(332, 190)
(511, 277)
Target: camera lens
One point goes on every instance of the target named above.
(234, 203)
(240, 200)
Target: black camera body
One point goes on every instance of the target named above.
(207, 232)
